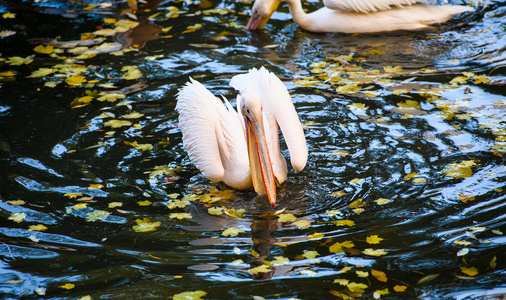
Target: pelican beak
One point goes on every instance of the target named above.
(262, 173)
(257, 21)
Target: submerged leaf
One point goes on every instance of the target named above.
(145, 225)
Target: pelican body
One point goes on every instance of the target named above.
(241, 148)
(359, 16)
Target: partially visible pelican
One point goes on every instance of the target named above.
(359, 16)
(242, 148)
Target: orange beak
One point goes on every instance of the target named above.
(262, 173)
(257, 21)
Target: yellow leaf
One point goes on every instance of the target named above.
(97, 215)
(341, 153)
(344, 282)
(111, 97)
(17, 217)
(382, 201)
(390, 69)
(377, 51)
(8, 15)
(75, 80)
(144, 147)
(132, 72)
(41, 72)
(260, 269)
(134, 115)
(95, 186)
(338, 194)
(18, 61)
(286, 218)
(427, 278)
(357, 106)
(80, 206)
(356, 181)
(373, 239)
(68, 286)
(400, 288)
(302, 223)
(472, 271)
(310, 254)
(459, 170)
(232, 231)
(180, 216)
(193, 28)
(215, 211)
(465, 243)
(381, 276)
(44, 49)
(409, 104)
(109, 20)
(493, 262)
(38, 227)
(333, 212)
(309, 273)
(362, 274)
(117, 123)
(373, 252)
(72, 195)
(343, 222)
(356, 287)
(316, 236)
(115, 204)
(357, 203)
(16, 202)
(465, 198)
(87, 297)
(6, 33)
(338, 247)
(279, 261)
(190, 295)
(419, 180)
(144, 203)
(145, 225)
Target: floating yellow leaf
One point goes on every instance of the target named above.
(38, 227)
(41, 72)
(80, 206)
(72, 195)
(8, 15)
(44, 49)
(465, 198)
(382, 201)
(493, 262)
(310, 254)
(427, 278)
(144, 203)
(400, 288)
(68, 286)
(302, 223)
(419, 180)
(409, 104)
(283, 218)
(309, 273)
(215, 211)
(260, 269)
(338, 194)
(357, 181)
(132, 72)
(460, 170)
(381, 276)
(377, 51)
(232, 231)
(343, 222)
(357, 203)
(111, 97)
(17, 217)
(279, 261)
(341, 153)
(95, 186)
(18, 61)
(6, 33)
(97, 215)
(390, 69)
(144, 147)
(472, 271)
(87, 297)
(463, 252)
(180, 216)
(145, 225)
(133, 115)
(117, 123)
(465, 243)
(373, 239)
(193, 28)
(190, 295)
(75, 80)
(315, 236)
(344, 282)
(333, 212)
(373, 252)
(357, 106)
(115, 204)
(356, 287)
(338, 247)
(362, 274)
(16, 202)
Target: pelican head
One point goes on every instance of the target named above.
(261, 13)
(262, 173)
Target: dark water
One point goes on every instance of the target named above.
(412, 156)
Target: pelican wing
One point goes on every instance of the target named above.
(278, 110)
(211, 130)
(366, 6)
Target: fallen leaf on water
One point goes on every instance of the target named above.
(132, 72)
(215, 211)
(180, 216)
(493, 262)
(309, 273)
(133, 115)
(338, 247)
(38, 227)
(68, 286)
(381, 276)
(362, 274)
(96, 186)
(465, 243)
(72, 195)
(18, 61)
(356, 287)
(17, 217)
(144, 203)
(8, 15)
(357, 181)
(373, 239)
(111, 97)
(302, 223)
(333, 212)
(472, 271)
(41, 72)
(232, 231)
(117, 123)
(260, 269)
(286, 218)
(145, 225)
(193, 28)
(382, 201)
(80, 206)
(44, 49)
(115, 204)
(343, 222)
(400, 288)
(87, 297)
(279, 261)
(190, 295)
(315, 236)
(310, 254)
(463, 252)
(341, 153)
(375, 252)
(16, 202)
(97, 215)
(344, 282)
(427, 278)
(459, 170)
(75, 80)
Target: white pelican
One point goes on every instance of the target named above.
(242, 148)
(359, 16)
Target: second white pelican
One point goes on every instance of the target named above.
(359, 16)
(242, 148)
